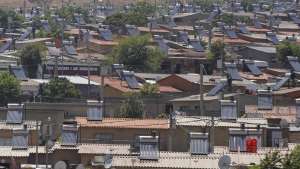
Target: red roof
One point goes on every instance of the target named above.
(125, 123)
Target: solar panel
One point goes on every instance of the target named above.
(264, 100)
(295, 18)
(170, 21)
(149, 148)
(105, 34)
(69, 48)
(18, 72)
(253, 68)
(183, 37)
(118, 68)
(272, 37)
(212, 15)
(230, 32)
(281, 82)
(20, 139)
(218, 87)
(196, 45)
(243, 29)
(132, 30)
(152, 24)
(161, 43)
(69, 135)
(257, 24)
(199, 143)
(79, 20)
(294, 62)
(45, 25)
(228, 109)
(130, 79)
(233, 71)
(26, 34)
(6, 46)
(94, 111)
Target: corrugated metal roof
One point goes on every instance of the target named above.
(79, 80)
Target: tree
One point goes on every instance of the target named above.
(217, 49)
(9, 89)
(137, 15)
(149, 89)
(277, 161)
(58, 89)
(17, 19)
(136, 54)
(285, 49)
(31, 57)
(292, 161)
(132, 106)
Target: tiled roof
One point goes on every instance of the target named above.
(103, 42)
(7, 151)
(204, 121)
(115, 149)
(31, 125)
(125, 123)
(168, 89)
(284, 112)
(113, 82)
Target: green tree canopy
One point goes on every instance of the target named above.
(9, 88)
(276, 160)
(136, 54)
(135, 16)
(217, 49)
(58, 89)
(149, 89)
(132, 106)
(31, 57)
(287, 48)
(17, 19)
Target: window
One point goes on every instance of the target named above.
(183, 108)
(103, 138)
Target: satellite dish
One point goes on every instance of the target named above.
(60, 165)
(108, 161)
(284, 123)
(80, 166)
(224, 162)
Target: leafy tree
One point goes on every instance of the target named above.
(287, 48)
(149, 89)
(58, 89)
(31, 57)
(135, 16)
(132, 106)
(292, 161)
(217, 49)
(17, 19)
(9, 88)
(136, 54)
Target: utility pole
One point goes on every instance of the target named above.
(56, 67)
(211, 134)
(201, 107)
(37, 145)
